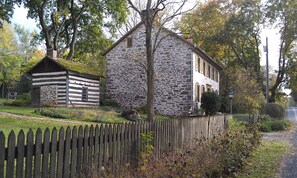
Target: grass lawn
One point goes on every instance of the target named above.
(16, 124)
(265, 160)
(102, 114)
(28, 111)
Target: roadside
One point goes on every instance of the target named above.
(287, 167)
(289, 163)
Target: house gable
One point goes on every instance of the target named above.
(46, 65)
(196, 49)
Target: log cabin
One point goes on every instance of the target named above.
(59, 82)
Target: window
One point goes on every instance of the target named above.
(197, 92)
(84, 94)
(213, 74)
(198, 64)
(203, 89)
(129, 42)
(209, 88)
(203, 68)
(209, 71)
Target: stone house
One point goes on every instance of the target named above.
(58, 82)
(183, 72)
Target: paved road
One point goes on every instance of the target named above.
(291, 114)
(289, 165)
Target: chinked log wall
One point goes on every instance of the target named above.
(76, 83)
(77, 150)
(69, 84)
(52, 78)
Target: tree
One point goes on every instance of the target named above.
(26, 42)
(90, 47)
(283, 14)
(201, 25)
(229, 31)
(148, 17)
(7, 9)
(61, 21)
(248, 97)
(9, 61)
(15, 51)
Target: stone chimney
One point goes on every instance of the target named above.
(51, 53)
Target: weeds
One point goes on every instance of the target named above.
(222, 156)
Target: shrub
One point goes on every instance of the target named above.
(21, 100)
(265, 126)
(275, 110)
(264, 117)
(111, 103)
(94, 115)
(222, 156)
(280, 125)
(225, 105)
(274, 125)
(210, 102)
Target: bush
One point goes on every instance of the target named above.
(265, 126)
(210, 102)
(222, 156)
(111, 103)
(275, 110)
(264, 117)
(280, 125)
(225, 105)
(274, 125)
(21, 100)
(94, 115)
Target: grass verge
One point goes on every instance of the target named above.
(9, 123)
(265, 160)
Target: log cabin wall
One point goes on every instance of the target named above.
(49, 88)
(83, 90)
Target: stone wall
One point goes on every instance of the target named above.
(126, 75)
(49, 95)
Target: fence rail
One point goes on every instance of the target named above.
(70, 152)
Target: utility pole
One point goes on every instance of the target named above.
(267, 72)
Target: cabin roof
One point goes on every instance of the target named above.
(69, 66)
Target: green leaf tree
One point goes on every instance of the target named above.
(7, 9)
(62, 21)
(283, 14)
(229, 31)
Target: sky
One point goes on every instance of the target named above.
(20, 17)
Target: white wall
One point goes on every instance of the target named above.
(201, 79)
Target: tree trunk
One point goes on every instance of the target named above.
(150, 74)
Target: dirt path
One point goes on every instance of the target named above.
(41, 118)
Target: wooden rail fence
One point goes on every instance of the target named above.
(68, 153)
